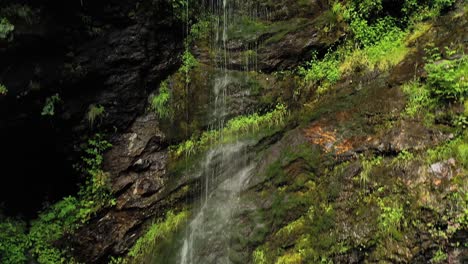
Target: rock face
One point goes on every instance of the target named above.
(107, 53)
(115, 54)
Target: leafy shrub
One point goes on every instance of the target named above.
(326, 69)
(448, 79)
(49, 107)
(391, 217)
(419, 98)
(439, 256)
(188, 62)
(160, 103)
(367, 34)
(13, 242)
(3, 90)
(71, 212)
(50, 226)
(5, 29)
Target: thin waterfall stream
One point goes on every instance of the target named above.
(225, 169)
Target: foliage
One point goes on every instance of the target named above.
(158, 233)
(68, 214)
(13, 241)
(95, 112)
(180, 9)
(160, 103)
(391, 217)
(20, 12)
(439, 256)
(322, 70)
(367, 35)
(456, 148)
(419, 98)
(3, 90)
(200, 30)
(50, 226)
(259, 256)
(386, 52)
(448, 80)
(188, 62)
(243, 124)
(49, 107)
(5, 29)
(95, 194)
(367, 166)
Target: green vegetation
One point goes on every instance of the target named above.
(456, 148)
(419, 98)
(62, 217)
(49, 106)
(160, 103)
(367, 166)
(439, 256)
(188, 63)
(5, 29)
(447, 80)
(379, 42)
(391, 217)
(243, 124)
(159, 233)
(180, 9)
(3, 90)
(325, 70)
(95, 112)
(13, 241)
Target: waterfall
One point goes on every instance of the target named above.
(225, 169)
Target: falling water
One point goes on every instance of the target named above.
(225, 170)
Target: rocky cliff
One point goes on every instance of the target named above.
(356, 170)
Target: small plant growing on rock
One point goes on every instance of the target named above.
(439, 256)
(49, 107)
(158, 234)
(367, 166)
(3, 90)
(95, 112)
(5, 29)
(391, 218)
(448, 80)
(160, 103)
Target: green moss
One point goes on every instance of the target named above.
(239, 126)
(157, 235)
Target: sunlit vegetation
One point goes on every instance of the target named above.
(157, 234)
(239, 126)
(376, 43)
